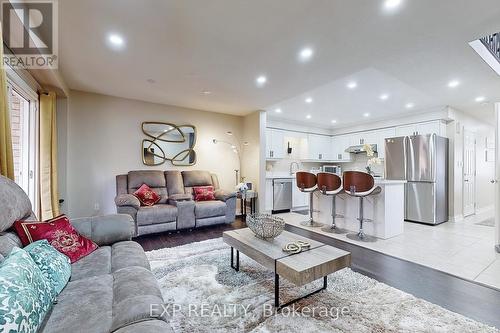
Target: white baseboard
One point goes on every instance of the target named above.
(456, 218)
(485, 209)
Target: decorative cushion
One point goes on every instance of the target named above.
(23, 236)
(60, 234)
(55, 266)
(25, 295)
(204, 193)
(146, 195)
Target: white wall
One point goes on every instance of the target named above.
(104, 140)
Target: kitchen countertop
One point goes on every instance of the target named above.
(378, 180)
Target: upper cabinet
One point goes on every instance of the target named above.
(275, 145)
(361, 138)
(381, 136)
(430, 127)
(319, 147)
(339, 144)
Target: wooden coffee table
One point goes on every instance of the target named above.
(317, 262)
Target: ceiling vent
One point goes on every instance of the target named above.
(488, 48)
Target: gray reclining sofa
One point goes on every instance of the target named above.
(176, 209)
(110, 290)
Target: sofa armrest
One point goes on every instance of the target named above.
(127, 200)
(185, 213)
(224, 196)
(106, 230)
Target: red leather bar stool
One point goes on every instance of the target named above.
(306, 182)
(330, 184)
(361, 185)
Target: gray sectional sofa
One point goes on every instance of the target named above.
(176, 209)
(110, 290)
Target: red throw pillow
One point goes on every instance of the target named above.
(59, 233)
(146, 195)
(204, 193)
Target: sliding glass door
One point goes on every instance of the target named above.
(23, 105)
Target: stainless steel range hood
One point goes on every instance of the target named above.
(360, 149)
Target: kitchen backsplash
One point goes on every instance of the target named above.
(358, 163)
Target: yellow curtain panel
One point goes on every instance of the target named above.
(49, 196)
(6, 157)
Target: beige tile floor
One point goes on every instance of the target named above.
(463, 248)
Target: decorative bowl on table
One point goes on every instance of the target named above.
(265, 226)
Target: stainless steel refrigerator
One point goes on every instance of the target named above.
(421, 160)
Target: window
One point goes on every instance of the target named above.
(23, 103)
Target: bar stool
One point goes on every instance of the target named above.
(330, 184)
(361, 185)
(306, 182)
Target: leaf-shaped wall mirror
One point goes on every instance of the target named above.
(168, 142)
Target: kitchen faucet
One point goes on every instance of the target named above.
(291, 167)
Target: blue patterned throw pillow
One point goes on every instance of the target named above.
(55, 266)
(25, 295)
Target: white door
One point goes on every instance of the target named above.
(469, 178)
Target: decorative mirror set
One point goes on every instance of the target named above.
(168, 142)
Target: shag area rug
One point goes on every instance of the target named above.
(204, 294)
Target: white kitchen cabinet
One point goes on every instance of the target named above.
(299, 199)
(339, 144)
(319, 147)
(381, 136)
(269, 195)
(275, 146)
(405, 130)
(429, 127)
(361, 138)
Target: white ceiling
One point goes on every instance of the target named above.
(188, 46)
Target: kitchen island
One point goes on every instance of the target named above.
(385, 209)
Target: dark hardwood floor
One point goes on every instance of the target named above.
(470, 299)
(177, 238)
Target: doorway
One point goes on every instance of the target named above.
(469, 174)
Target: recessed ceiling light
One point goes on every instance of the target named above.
(384, 97)
(229, 133)
(480, 99)
(366, 114)
(308, 100)
(308, 116)
(392, 4)
(334, 121)
(409, 105)
(261, 80)
(206, 92)
(352, 85)
(116, 40)
(278, 110)
(306, 54)
(453, 83)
